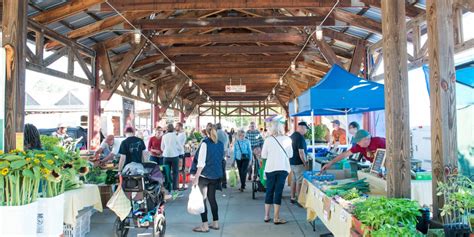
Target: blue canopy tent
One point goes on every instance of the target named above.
(341, 93)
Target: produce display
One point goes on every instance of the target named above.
(388, 216)
(349, 190)
(98, 175)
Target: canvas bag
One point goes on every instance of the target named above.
(233, 177)
(119, 203)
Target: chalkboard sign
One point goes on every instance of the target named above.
(379, 161)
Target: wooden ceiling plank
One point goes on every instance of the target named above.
(228, 38)
(227, 22)
(410, 10)
(146, 5)
(280, 49)
(352, 19)
(58, 13)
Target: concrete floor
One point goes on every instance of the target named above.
(239, 216)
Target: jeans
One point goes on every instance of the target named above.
(275, 185)
(208, 189)
(242, 166)
(158, 160)
(173, 162)
(224, 178)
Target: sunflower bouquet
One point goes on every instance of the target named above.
(26, 175)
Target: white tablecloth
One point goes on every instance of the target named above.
(76, 200)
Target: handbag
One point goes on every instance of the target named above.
(244, 156)
(119, 203)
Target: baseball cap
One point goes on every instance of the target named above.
(336, 122)
(302, 123)
(361, 134)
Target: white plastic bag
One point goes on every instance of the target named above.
(119, 202)
(196, 201)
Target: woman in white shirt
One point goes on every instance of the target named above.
(170, 147)
(277, 150)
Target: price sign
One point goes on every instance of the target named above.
(379, 161)
(235, 88)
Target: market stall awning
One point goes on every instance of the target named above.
(340, 93)
(465, 74)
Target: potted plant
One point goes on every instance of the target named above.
(386, 217)
(19, 184)
(458, 194)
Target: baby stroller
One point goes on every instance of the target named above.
(258, 179)
(147, 201)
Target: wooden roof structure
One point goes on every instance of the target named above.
(214, 43)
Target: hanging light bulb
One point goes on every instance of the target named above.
(190, 82)
(273, 91)
(173, 67)
(281, 81)
(319, 33)
(137, 35)
(208, 98)
(293, 66)
(200, 91)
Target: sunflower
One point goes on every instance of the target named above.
(28, 159)
(45, 171)
(36, 161)
(83, 170)
(50, 162)
(67, 166)
(4, 171)
(1, 152)
(55, 175)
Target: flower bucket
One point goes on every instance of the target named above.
(18, 221)
(50, 216)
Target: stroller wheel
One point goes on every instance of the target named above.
(159, 226)
(119, 227)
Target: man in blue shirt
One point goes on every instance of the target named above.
(298, 161)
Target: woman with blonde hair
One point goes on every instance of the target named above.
(208, 174)
(277, 150)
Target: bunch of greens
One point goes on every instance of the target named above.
(319, 133)
(388, 216)
(49, 142)
(351, 190)
(96, 176)
(458, 193)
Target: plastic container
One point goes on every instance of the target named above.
(19, 221)
(314, 175)
(50, 217)
(423, 176)
(82, 227)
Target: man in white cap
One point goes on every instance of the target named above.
(61, 132)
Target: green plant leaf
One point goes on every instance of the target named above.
(17, 164)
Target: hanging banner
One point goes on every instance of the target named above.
(128, 113)
(2, 95)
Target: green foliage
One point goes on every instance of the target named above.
(350, 190)
(49, 142)
(388, 216)
(319, 133)
(458, 193)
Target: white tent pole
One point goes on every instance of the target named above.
(312, 137)
(347, 129)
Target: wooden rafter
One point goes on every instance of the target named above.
(63, 11)
(410, 10)
(327, 52)
(228, 38)
(357, 59)
(351, 19)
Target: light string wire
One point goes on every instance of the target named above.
(158, 49)
(302, 49)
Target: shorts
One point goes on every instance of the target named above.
(297, 171)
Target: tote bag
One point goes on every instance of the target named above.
(119, 203)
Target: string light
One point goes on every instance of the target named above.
(137, 35)
(208, 98)
(273, 91)
(190, 82)
(319, 32)
(293, 65)
(173, 67)
(200, 91)
(281, 81)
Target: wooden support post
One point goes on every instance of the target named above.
(181, 117)
(457, 24)
(198, 125)
(14, 41)
(219, 111)
(396, 98)
(443, 93)
(94, 112)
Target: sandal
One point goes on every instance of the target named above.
(214, 228)
(200, 230)
(280, 222)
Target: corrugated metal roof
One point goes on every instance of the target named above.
(358, 32)
(374, 38)
(374, 14)
(79, 20)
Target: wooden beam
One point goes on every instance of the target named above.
(458, 27)
(357, 59)
(410, 10)
(188, 50)
(327, 52)
(65, 10)
(396, 99)
(234, 59)
(227, 71)
(343, 37)
(351, 19)
(228, 38)
(169, 96)
(104, 63)
(120, 71)
(147, 5)
(228, 22)
(442, 94)
(14, 21)
(466, 4)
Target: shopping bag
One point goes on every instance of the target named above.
(119, 203)
(196, 201)
(261, 172)
(233, 177)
